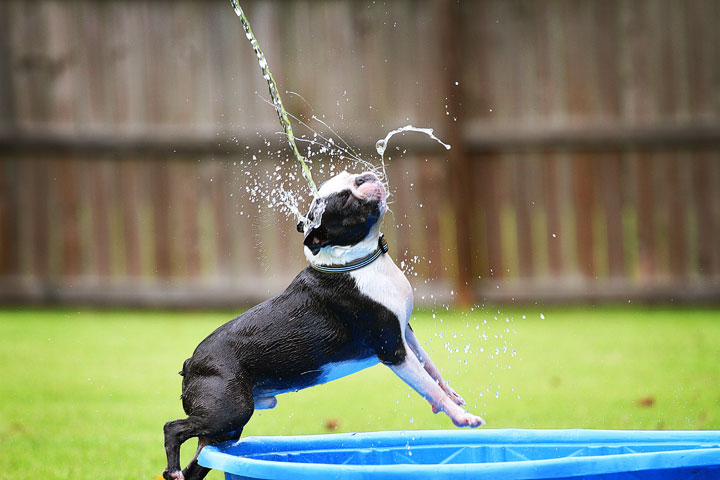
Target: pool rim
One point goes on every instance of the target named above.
(706, 455)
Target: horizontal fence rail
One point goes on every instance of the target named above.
(477, 138)
(585, 163)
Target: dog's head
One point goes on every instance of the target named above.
(346, 213)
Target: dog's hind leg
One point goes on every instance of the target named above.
(195, 471)
(218, 410)
(176, 433)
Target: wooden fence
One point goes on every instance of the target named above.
(585, 161)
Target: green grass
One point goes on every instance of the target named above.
(85, 394)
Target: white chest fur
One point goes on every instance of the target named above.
(386, 284)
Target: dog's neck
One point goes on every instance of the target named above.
(344, 254)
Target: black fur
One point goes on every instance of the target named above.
(283, 343)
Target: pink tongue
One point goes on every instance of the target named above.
(371, 189)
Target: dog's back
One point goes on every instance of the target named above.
(316, 329)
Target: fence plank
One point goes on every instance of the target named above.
(522, 202)
(160, 197)
(606, 51)
(401, 207)
(707, 219)
(676, 220)
(636, 77)
(68, 189)
(219, 194)
(491, 205)
(8, 113)
(702, 60)
(553, 213)
(101, 183)
(612, 197)
(39, 214)
(645, 215)
(583, 192)
(130, 195)
(9, 221)
(432, 184)
(187, 215)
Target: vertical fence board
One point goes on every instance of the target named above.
(401, 207)
(431, 185)
(7, 91)
(160, 195)
(553, 213)
(645, 215)
(676, 218)
(188, 215)
(100, 182)
(606, 35)
(39, 212)
(61, 45)
(583, 200)
(9, 221)
(32, 67)
(707, 220)
(522, 202)
(130, 194)
(68, 188)
(223, 231)
(491, 209)
(612, 196)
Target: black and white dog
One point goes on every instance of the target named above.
(348, 310)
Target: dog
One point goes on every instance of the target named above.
(348, 310)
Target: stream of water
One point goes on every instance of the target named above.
(284, 118)
(381, 145)
(275, 96)
(276, 192)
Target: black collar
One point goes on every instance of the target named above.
(357, 264)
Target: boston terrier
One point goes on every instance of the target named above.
(348, 310)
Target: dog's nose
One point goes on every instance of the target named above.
(367, 177)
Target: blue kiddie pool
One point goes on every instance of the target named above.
(473, 454)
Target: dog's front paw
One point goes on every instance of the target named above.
(457, 399)
(468, 420)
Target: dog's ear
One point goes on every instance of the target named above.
(316, 239)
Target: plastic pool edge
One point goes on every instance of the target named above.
(563, 467)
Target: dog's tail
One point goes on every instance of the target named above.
(184, 368)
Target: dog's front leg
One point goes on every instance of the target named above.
(430, 367)
(412, 372)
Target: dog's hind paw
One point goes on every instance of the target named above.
(176, 475)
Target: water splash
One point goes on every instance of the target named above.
(482, 342)
(275, 95)
(382, 144)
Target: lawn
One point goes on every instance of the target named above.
(84, 394)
